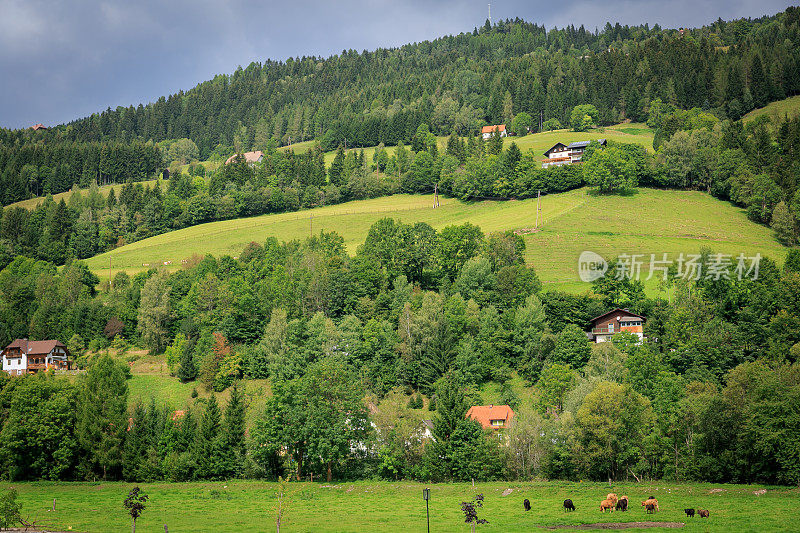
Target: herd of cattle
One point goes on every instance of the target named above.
(612, 502)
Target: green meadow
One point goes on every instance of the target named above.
(363, 506)
(777, 111)
(32, 203)
(651, 221)
(634, 133)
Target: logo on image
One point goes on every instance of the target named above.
(591, 266)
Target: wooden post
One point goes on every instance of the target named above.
(166, 529)
(538, 196)
(54, 504)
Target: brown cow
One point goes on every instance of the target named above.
(703, 513)
(613, 497)
(652, 501)
(607, 504)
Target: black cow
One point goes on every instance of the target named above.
(568, 505)
(526, 504)
(622, 505)
(689, 512)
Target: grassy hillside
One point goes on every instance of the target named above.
(538, 142)
(31, 203)
(776, 110)
(652, 221)
(398, 506)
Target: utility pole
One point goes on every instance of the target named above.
(109, 276)
(538, 196)
(435, 195)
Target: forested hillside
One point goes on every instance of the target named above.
(455, 83)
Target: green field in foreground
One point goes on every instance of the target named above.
(388, 507)
(650, 222)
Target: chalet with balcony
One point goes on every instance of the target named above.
(29, 357)
(567, 154)
(496, 417)
(617, 321)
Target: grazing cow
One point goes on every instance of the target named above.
(650, 508)
(689, 512)
(568, 505)
(651, 500)
(613, 497)
(526, 503)
(607, 504)
(622, 504)
(703, 513)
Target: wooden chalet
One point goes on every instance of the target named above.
(567, 154)
(29, 357)
(617, 321)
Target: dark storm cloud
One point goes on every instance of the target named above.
(61, 60)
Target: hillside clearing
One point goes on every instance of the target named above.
(777, 111)
(32, 203)
(650, 222)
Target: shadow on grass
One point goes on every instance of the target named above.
(625, 192)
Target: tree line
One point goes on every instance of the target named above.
(754, 165)
(460, 82)
(417, 318)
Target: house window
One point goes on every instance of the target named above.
(497, 423)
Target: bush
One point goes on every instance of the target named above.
(10, 509)
(551, 124)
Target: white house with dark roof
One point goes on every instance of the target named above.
(567, 154)
(28, 357)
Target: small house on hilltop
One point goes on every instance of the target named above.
(487, 131)
(29, 357)
(38, 127)
(616, 321)
(496, 417)
(251, 158)
(566, 154)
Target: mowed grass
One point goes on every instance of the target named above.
(32, 203)
(652, 221)
(777, 111)
(365, 506)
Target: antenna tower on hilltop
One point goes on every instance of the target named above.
(490, 13)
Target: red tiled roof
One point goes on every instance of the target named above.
(490, 129)
(39, 126)
(486, 413)
(35, 347)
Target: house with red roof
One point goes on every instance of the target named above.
(496, 417)
(487, 131)
(29, 357)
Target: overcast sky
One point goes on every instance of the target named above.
(61, 60)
